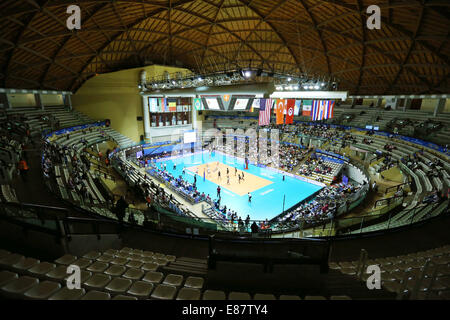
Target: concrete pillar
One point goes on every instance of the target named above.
(4, 99)
(194, 116)
(146, 114)
(379, 102)
(407, 103)
(38, 98)
(68, 101)
(440, 106)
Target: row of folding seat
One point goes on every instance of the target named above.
(396, 270)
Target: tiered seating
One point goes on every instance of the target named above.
(405, 271)
(126, 274)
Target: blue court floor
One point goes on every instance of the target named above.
(267, 202)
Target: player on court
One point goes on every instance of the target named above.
(218, 175)
(235, 171)
(228, 179)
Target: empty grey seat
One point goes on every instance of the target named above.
(170, 258)
(97, 281)
(98, 266)
(9, 260)
(140, 289)
(68, 294)
(115, 270)
(57, 274)
(146, 260)
(134, 264)
(164, 292)
(340, 298)
(161, 262)
(7, 276)
(189, 294)
(43, 290)
(315, 298)
(96, 295)
(82, 263)
(126, 249)
(149, 267)
(16, 288)
(119, 261)
(173, 280)
(122, 297)
(105, 258)
(289, 297)
(153, 277)
(147, 254)
(25, 264)
(214, 295)
(66, 259)
(92, 255)
(137, 252)
(194, 282)
(260, 296)
(133, 274)
(158, 255)
(111, 252)
(118, 285)
(41, 269)
(239, 296)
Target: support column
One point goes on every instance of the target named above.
(38, 98)
(407, 104)
(68, 101)
(4, 99)
(440, 106)
(379, 102)
(146, 114)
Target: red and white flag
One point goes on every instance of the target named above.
(264, 111)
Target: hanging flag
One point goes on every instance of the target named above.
(153, 105)
(290, 106)
(198, 104)
(172, 105)
(306, 110)
(163, 105)
(264, 111)
(255, 105)
(281, 106)
(319, 108)
(298, 105)
(329, 111)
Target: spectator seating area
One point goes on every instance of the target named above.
(401, 274)
(126, 274)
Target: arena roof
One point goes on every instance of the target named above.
(326, 38)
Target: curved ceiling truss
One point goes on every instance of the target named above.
(325, 39)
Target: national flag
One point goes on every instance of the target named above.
(264, 111)
(322, 110)
(329, 111)
(163, 104)
(153, 105)
(172, 105)
(281, 106)
(290, 106)
(298, 105)
(307, 106)
(198, 104)
(255, 105)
